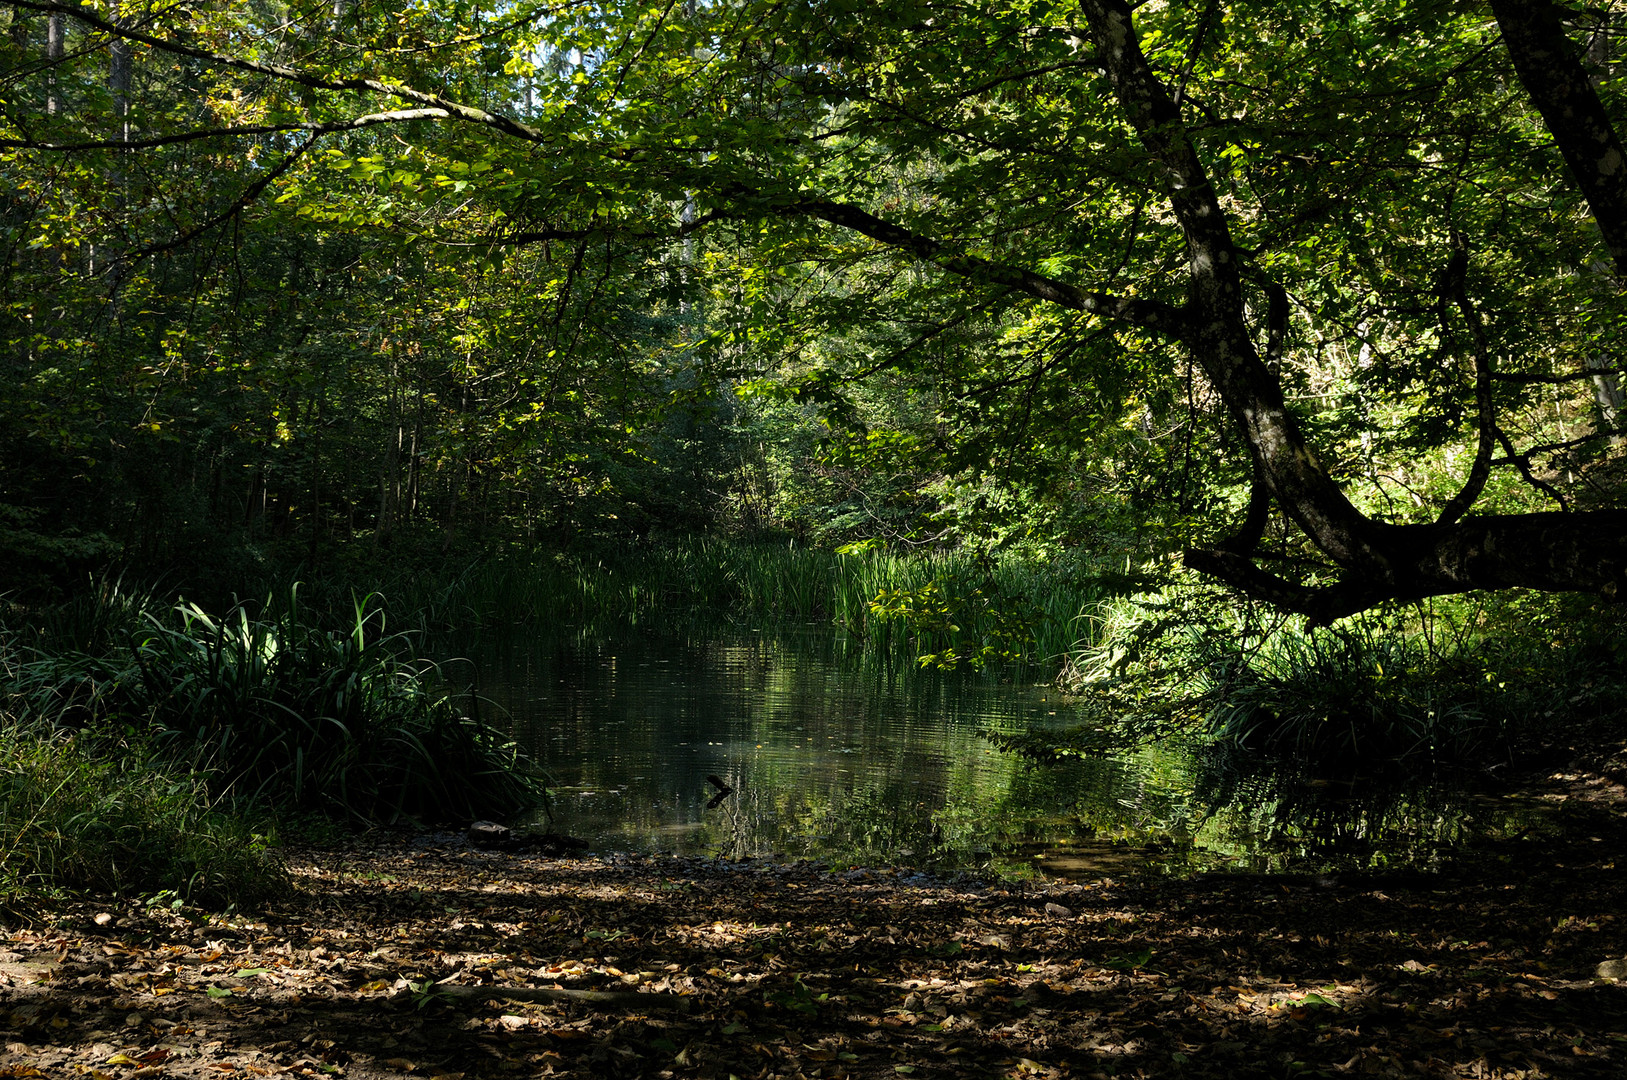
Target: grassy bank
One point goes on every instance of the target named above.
(128, 823)
(146, 744)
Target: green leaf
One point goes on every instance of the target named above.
(1129, 961)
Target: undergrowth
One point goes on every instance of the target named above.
(142, 744)
(274, 706)
(132, 824)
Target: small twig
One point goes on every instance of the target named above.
(622, 999)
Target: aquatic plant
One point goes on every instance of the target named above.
(951, 607)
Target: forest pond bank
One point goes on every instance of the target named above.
(838, 756)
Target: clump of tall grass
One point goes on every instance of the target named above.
(71, 820)
(276, 708)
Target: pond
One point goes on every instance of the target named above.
(832, 756)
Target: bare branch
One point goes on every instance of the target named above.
(454, 109)
(1255, 518)
(250, 193)
(1558, 380)
(397, 116)
(1320, 606)
(1522, 462)
(1276, 322)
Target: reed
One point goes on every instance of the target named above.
(953, 608)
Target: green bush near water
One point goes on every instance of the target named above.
(1468, 682)
(276, 708)
(1356, 695)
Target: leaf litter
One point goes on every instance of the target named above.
(423, 957)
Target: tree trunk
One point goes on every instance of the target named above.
(1550, 68)
(118, 85)
(1379, 561)
(54, 37)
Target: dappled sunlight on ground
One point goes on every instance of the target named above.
(423, 957)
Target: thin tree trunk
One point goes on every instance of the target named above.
(390, 470)
(54, 37)
(118, 83)
(1608, 395)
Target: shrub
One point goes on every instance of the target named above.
(1460, 682)
(1348, 696)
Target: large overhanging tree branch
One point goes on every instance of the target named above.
(1377, 561)
(1220, 340)
(395, 116)
(1151, 315)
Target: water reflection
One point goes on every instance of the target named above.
(836, 759)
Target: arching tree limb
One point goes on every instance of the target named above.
(1220, 340)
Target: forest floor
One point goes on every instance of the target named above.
(422, 957)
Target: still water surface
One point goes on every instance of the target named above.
(836, 759)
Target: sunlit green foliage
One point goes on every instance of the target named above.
(380, 290)
(603, 309)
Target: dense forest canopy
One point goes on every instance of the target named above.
(1326, 295)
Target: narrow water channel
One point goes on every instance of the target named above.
(839, 759)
